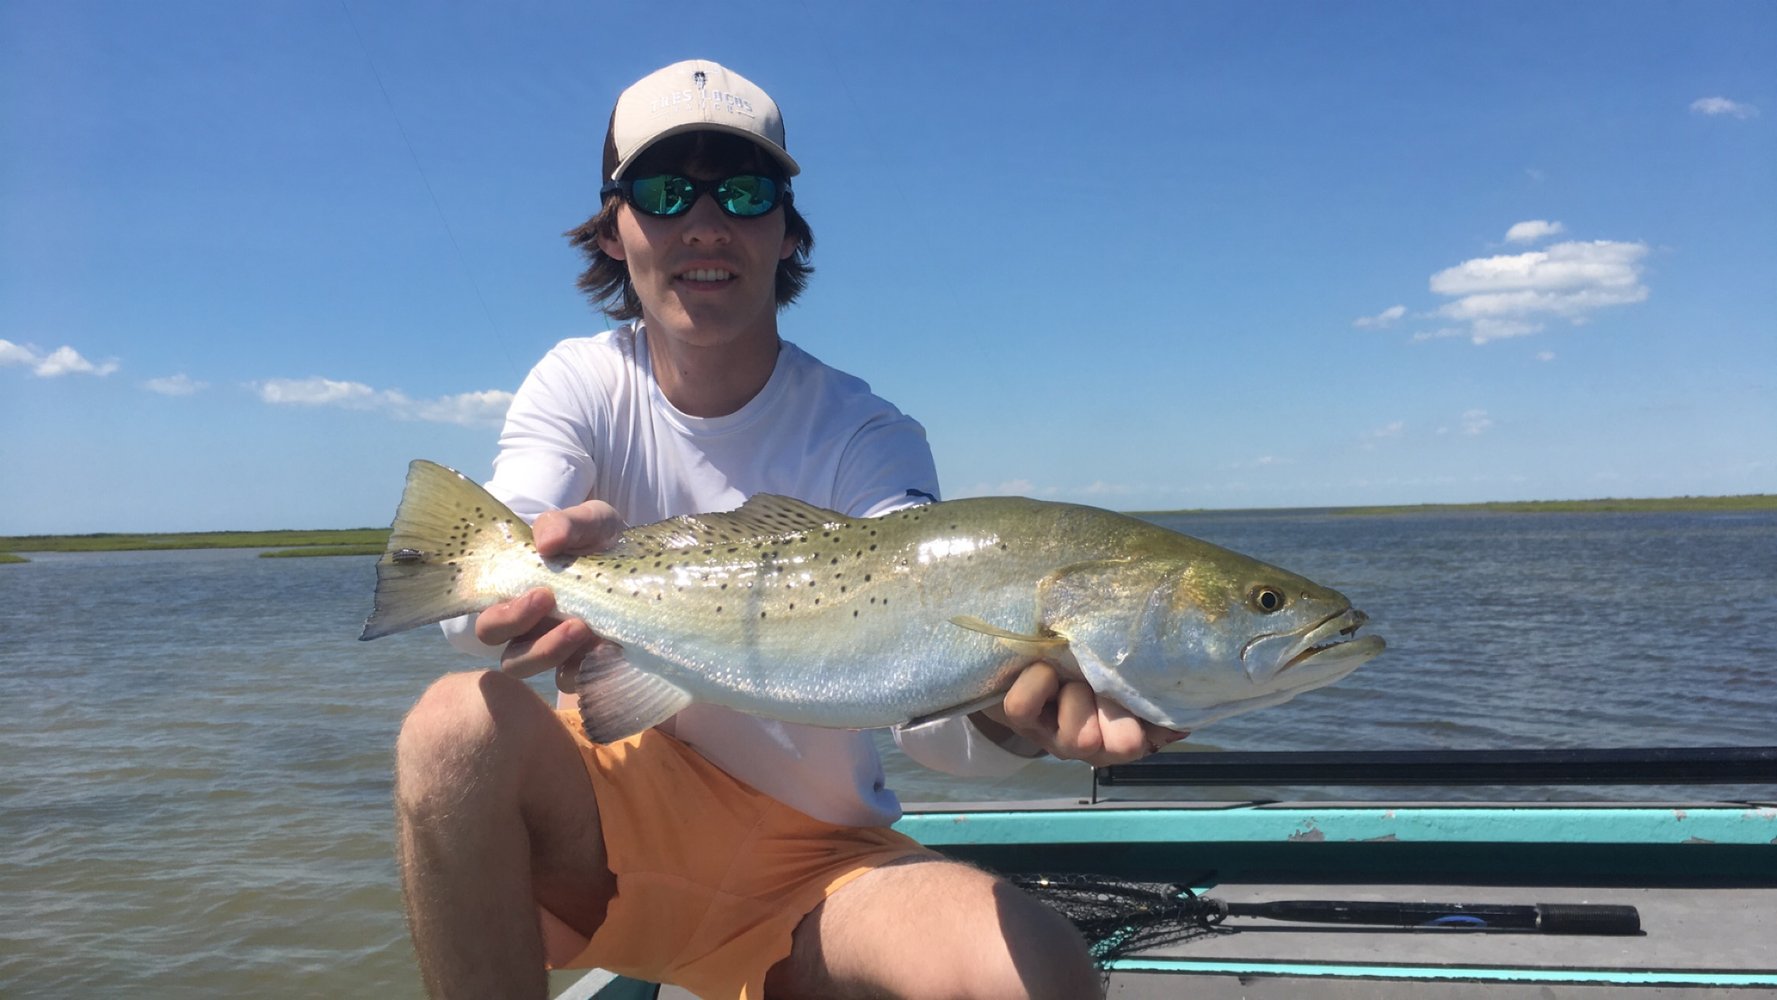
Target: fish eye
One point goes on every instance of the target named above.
(1267, 599)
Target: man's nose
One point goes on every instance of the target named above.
(705, 222)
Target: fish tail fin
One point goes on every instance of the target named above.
(618, 699)
(445, 529)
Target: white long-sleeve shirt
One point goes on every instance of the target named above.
(591, 422)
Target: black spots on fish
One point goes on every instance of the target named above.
(1266, 599)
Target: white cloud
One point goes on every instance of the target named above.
(175, 385)
(1534, 231)
(1383, 318)
(1545, 355)
(1386, 432)
(1100, 488)
(63, 360)
(468, 408)
(323, 392)
(1472, 422)
(1510, 295)
(1715, 107)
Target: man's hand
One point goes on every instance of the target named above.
(1069, 720)
(536, 639)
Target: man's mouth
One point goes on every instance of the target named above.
(706, 274)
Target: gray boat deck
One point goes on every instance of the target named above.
(1695, 942)
(1703, 877)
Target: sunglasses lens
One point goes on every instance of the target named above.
(662, 195)
(666, 195)
(747, 195)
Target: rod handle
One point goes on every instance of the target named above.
(1587, 918)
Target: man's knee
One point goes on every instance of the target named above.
(466, 727)
(937, 929)
(1048, 956)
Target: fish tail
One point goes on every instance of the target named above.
(445, 531)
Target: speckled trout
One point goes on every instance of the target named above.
(785, 610)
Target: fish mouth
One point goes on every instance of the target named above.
(1336, 633)
(1332, 642)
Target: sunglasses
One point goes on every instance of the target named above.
(744, 196)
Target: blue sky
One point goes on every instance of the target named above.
(254, 257)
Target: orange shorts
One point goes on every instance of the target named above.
(712, 875)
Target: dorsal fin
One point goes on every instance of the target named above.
(763, 516)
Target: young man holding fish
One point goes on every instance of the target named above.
(734, 855)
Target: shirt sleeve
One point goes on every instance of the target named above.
(545, 461)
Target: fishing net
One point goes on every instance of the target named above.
(1119, 917)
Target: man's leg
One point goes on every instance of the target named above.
(935, 929)
(495, 814)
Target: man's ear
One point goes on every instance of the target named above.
(612, 245)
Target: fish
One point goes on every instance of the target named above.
(789, 611)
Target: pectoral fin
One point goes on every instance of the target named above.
(1025, 645)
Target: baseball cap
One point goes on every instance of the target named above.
(690, 96)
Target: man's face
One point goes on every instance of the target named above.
(704, 276)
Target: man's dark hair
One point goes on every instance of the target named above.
(606, 279)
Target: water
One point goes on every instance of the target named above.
(194, 750)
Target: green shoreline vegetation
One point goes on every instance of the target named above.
(370, 541)
(324, 542)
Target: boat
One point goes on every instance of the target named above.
(1258, 897)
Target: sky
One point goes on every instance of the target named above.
(255, 257)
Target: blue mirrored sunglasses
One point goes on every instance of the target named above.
(744, 196)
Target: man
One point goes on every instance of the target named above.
(733, 855)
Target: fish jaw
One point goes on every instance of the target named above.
(1330, 642)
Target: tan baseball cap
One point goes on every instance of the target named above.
(692, 96)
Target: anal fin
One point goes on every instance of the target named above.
(966, 708)
(618, 699)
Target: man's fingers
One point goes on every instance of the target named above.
(1122, 735)
(508, 620)
(577, 530)
(1077, 734)
(548, 649)
(1029, 696)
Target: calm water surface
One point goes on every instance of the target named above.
(194, 750)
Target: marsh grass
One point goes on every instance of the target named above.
(370, 539)
(1749, 501)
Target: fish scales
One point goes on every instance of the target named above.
(790, 611)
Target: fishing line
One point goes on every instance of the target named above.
(426, 182)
